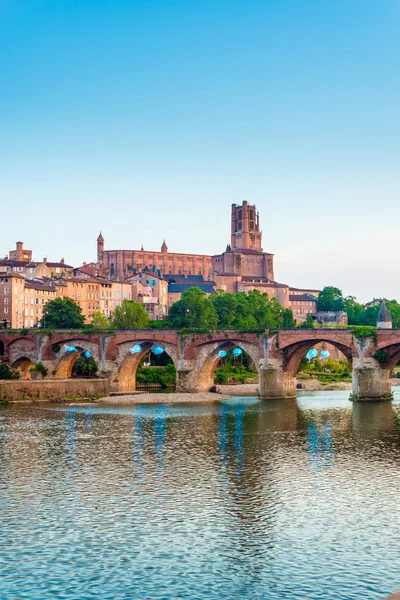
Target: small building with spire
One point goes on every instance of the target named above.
(384, 320)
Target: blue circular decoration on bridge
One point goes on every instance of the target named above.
(325, 354)
(311, 354)
(136, 349)
(157, 350)
(237, 352)
(222, 353)
(86, 354)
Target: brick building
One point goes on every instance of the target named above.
(12, 299)
(243, 267)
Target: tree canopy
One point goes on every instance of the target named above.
(193, 310)
(130, 315)
(361, 315)
(331, 300)
(228, 311)
(62, 313)
(99, 321)
(250, 311)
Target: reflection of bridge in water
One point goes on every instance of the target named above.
(276, 355)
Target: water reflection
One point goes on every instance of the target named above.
(236, 499)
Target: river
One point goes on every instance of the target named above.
(233, 499)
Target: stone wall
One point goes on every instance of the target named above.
(52, 389)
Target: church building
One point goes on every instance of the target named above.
(243, 266)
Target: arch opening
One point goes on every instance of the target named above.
(1, 349)
(294, 354)
(318, 359)
(232, 361)
(22, 366)
(147, 365)
(388, 358)
(76, 361)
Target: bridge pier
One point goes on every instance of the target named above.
(276, 383)
(371, 382)
(193, 381)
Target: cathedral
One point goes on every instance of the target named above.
(242, 267)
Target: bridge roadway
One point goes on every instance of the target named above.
(276, 355)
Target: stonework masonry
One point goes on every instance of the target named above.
(276, 355)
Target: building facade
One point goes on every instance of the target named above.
(12, 300)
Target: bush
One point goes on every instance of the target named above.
(39, 368)
(85, 367)
(165, 376)
(6, 373)
(227, 373)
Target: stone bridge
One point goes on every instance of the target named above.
(276, 356)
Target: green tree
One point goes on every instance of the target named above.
(330, 300)
(130, 315)
(99, 321)
(394, 309)
(288, 320)
(62, 313)
(85, 367)
(354, 310)
(193, 310)
(225, 305)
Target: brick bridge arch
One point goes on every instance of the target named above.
(126, 362)
(22, 365)
(286, 350)
(64, 363)
(200, 357)
(22, 348)
(276, 355)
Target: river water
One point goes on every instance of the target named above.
(234, 499)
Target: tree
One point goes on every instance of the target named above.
(288, 320)
(130, 315)
(85, 367)
(99, 321)
(354, 310)
(193, 310)
(330, 300)
(225, 305)
(62, 313)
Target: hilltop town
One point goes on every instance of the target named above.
(155, 279)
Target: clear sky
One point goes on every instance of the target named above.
(147, 119)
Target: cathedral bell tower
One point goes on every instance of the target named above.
(245, 227)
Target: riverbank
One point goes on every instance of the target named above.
(222, 392)
(154, 398)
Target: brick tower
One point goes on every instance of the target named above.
(100, 247)
(245, 227)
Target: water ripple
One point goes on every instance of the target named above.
(237, 499)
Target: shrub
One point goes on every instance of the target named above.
(39, 368)
(85, 367)
(6, 373)
(165, 376)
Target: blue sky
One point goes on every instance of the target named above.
(147, 119)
